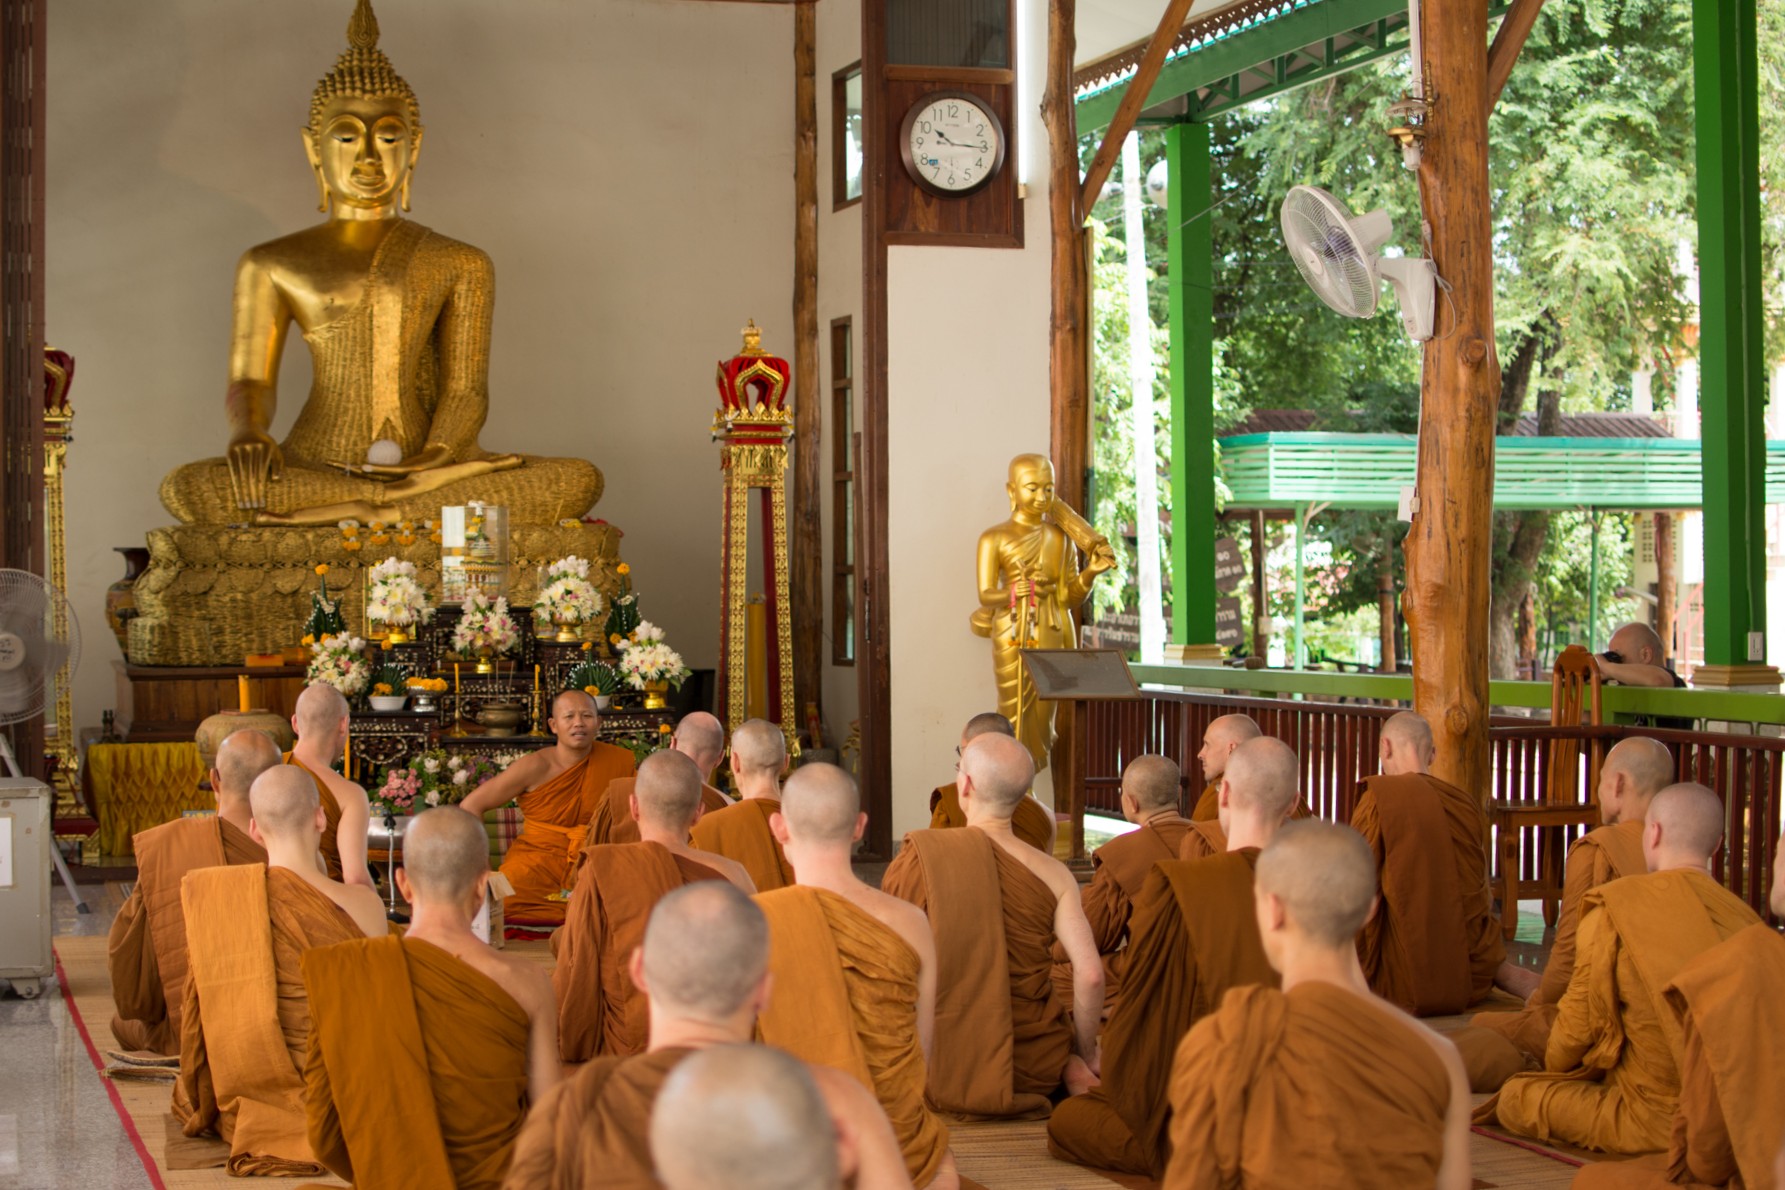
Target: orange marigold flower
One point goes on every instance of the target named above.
(322, 568)
(622, 568)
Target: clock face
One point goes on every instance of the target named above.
(951, 142)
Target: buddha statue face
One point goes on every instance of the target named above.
(1031, 485)
(364, 151)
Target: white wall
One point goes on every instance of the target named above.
(627, 164)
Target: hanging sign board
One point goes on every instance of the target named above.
(1230, 567)
(1229, 632)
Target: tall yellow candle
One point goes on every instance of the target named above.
(455, 678)
(536, 680)
(347, 758)
(242, 693)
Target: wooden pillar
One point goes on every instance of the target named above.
(1190, 254)
(1666, 583)
(1385, 620)
(1449, 547)
(1069, 378)
(807, 560)
(1261, 612)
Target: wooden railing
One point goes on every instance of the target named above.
(1337, 741)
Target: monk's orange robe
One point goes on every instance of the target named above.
(1611, 1079)
(1731, 1117)
(1030, 820)
(1600, 856)
(741, 832)
(599, 1011)
(614, 822)
(1002, 1036)
(554, 821)
(417, 1068)
(146, 951)
(331, 812)
(1434, 943)
(850, 1003)
(1202, 840)
(1118, 869)
(247, 1018)
(592, 1131)
(1316, 1087)
(1195, 936)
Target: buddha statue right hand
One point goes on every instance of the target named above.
(254, 458)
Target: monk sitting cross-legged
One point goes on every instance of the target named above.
(1193, 938)
(1434, 944)
(1634, 771)
(247, 1018)
(699, 737)
(1004, 1042)
(741, 832)
(704, 969)
(1321, 1083)
(146, 953)
(1611, 1078)
(1731, 1117)
(320, 721)
(427, 1047)
(558, 788)
(599, 1011)
(1031, 820)
(854, 968)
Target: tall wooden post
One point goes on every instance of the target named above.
(1449, 548)
(1068, 338)
(808, 527)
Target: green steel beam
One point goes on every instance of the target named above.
(1731, 357)
(1190, 274)
(1593, 583)
(1301, 589)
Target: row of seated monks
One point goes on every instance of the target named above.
(1231, 1002)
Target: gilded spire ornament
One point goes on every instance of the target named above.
(363, 72)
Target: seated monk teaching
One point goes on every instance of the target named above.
(247, 1019)
(146, 952)
(741, 831)
(1731, 1118)
(1320, 1083)
(1611, 1077)
(704, 969)
(427, 1046)
(1004, 1042)
(558, 789)
(1433, 945)
(320, 721)
(1032, 821)
(599, 1010)
(701, 738)
(854, 968)
(1192, 938)
(1634, 771)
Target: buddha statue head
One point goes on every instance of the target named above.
(364, 133)
(1031, 485)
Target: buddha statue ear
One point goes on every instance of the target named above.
(314, 155)
(414, 156)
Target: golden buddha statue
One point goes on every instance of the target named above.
(397, 320)
(1030, 587)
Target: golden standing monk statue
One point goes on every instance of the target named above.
(1030, 587)
(397, 320)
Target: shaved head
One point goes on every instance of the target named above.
(701, 738)
(759, 747)
(1262, 774)
(445, 850)
(1406, 743)
(321, 714)
(560, 699)
(284, 801)
(1000, 769)
(1325, 877)
(986, 723)
(1222, 736)
(1153, 782)
(743, 1117)
(706, 950)
(1636, 641)
(1691, 820)
(241, 757)
(668, 791)
(1635, 770)
(820, 804)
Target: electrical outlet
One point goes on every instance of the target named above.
(1757, 646)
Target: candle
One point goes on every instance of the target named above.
(455, 679)
(242, 693)
(347, 758)
(536, 680)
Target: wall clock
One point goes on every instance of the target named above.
(951, 142)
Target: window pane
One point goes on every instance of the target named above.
(948, 33)
(848, 533)
(852, 137)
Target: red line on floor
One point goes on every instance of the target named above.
(1528, 1146)
(111, 1089)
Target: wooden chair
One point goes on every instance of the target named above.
(1574, 701)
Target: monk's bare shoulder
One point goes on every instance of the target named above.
(731, 869)
(529, 983)
(1439, 1044)
(1051, 872)
(901, 917)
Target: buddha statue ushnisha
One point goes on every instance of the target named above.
(397, 320)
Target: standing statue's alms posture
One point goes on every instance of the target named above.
(1030, 587)
(397, 320)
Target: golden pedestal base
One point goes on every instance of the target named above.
(212, 596)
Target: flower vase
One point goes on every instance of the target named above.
(567, 633)
(120, 597)
(603, 701)
(654, 695)
(397, 636)
(486, 659)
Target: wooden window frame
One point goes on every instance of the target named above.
(840, 136)
(845, 497)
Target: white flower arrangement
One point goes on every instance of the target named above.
(485, 625)
(644, 657)
(339, 661)
(566, 596)
(395, 597)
